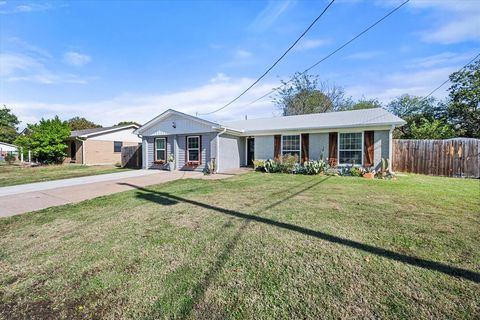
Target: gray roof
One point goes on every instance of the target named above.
(330, 120)
(86, 132)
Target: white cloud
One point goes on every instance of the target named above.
(142, 108)
(270, 14)
(242, 54)
(24, 8)
(219, 77)
(365, 55)
(21, 67)
(312, 44)
(76, 59)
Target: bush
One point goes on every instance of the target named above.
(355, 172)
(314, 166)
(258, 165)
(9, 158)
(271, 166)
(288, 163)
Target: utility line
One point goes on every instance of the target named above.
(333, 52)
(443, 83)
(273, 65)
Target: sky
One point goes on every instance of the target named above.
(112, 61)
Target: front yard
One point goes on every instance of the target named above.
(253, 246)
(14, 174)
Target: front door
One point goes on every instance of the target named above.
(250, 151)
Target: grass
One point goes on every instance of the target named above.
(253, 246)
(14, 174)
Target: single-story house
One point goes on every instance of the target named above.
(6, 148)
(362, 137)
(100, 146)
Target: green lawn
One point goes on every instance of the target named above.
(14, 174)
(253, 246)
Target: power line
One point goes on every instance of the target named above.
(333, 52)
(276, 62)
(443, 83)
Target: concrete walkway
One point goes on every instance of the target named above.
(36, 196)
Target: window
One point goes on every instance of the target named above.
(291, 145)
(350, 148)
(193, 149)
(160, 149)
(117, 146)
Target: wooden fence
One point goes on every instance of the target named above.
(453, 157)
(132, 157)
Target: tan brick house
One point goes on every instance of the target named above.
(100, 146)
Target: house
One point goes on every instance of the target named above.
(362, 137)
(7, 148)
(100, 146)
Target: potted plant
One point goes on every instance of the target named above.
(369, 173)
(171, 162)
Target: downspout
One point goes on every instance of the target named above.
(390, 148)
(218, 148)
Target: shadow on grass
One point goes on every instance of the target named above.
(161, 197)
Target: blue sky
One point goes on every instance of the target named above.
(111, 61)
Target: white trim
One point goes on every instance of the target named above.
(338, 148)
(310, 131)
(155, 149)
(390, 148)
(187, 148)
(299, 151)
(169, 112)
(107, 131)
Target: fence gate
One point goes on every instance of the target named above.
(132, 157)
(458, 157)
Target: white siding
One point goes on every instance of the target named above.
(122, 135)
(264, 147)
(182, 126)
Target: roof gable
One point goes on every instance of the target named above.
(175, 122)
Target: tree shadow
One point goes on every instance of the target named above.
(413, 261)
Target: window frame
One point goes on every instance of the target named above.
(198, 149)
(300, 145)
(362, 133)
(121, 146)
(164, 150)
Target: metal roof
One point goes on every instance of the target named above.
(341, 119)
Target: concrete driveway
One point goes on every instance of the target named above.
(35, 196)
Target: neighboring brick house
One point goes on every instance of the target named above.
(100, 146)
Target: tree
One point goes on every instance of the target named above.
(305, 94)
(80, 123)
(124, 123)
(415, 110)
(46, 140)
(431, 129)
(464, 108)
(366, 104)
(8, 125)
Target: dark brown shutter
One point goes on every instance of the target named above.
(276, 146)
(186, 150)
(332, 148)
(166, 150)
(305, 147)
(199, 149)
(368, 149)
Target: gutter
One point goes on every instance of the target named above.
(218, 147)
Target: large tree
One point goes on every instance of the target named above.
(8, 125)
(464, 108)
(423, 117)
(80, 123)
(124, 123)
(305, 94)
(46, 140)
(366, 104)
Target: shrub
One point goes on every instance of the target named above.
(288, 163)
(314, 166)
(332, 172)
(271, 166)
(355, 172)
(9, 158)
(259, 165)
